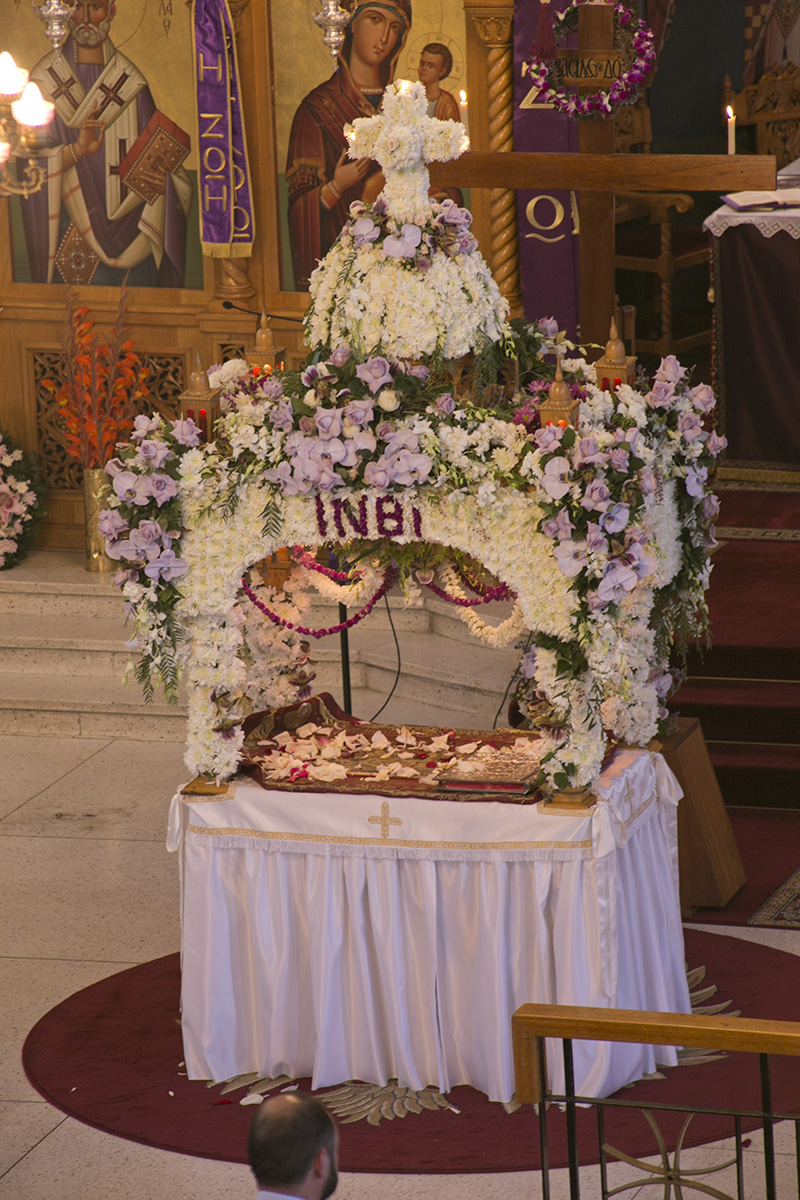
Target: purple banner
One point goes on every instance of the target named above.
(226, 207)
(547, 219)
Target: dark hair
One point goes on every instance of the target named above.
(286, 1134)
(441, 49)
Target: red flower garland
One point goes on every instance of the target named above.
(388, 581)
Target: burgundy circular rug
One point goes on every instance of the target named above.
(110, 1056)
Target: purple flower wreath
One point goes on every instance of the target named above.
(622, 91)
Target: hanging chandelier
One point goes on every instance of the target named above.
(333, 19)
(24, 113)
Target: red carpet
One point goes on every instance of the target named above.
(759, 510)
(110, 1057)
(769, 843)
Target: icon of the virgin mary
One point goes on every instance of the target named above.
(322, 182)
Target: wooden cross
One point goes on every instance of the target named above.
(596, 173)
(384, 820)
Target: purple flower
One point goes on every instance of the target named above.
(596, 541)
(618, 579)
(696, 480)
(670, 370)
(661, 395)
(365, 231)
(111, 523)
(143, 426)
(548, 438)
(114, 466)
(404, 246)
(401, 439)
(281, 416)
(555, 480)
(375, 373)
(648, 483)
(163, 488)
(136, 489)
(406, 468)
(329, 451)
(153, 454)
(619, 459)
(588, 452)
(597, 497)
(528, 664)
(362, 442)
(445, 404)
(329, 422)
(715, 444)
(272, 387)
(328, 478)
(571, 557)
(417, 371)
(167, 567)
(376, 474)
(615, 518)
(312, 375)
(283, 476)
(358, 414)
(560, 526)
(709, 509)
(548, 326)
(340, 355)
(185, 432)
(640, 560)
(690, 426)
(702, 397)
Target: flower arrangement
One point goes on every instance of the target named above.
(612, 524)
(22, 510)
(622, 90)
(102, 384)
(405, 278)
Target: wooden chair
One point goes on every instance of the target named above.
(647, 240)
(772, 106)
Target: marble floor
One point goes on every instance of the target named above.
(87, 889)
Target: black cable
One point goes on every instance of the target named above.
(399, 664)
(505, 697)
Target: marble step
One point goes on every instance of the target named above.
(76, 706)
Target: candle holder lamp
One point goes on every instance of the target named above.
(200, 401)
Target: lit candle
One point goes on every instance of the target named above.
(462, 110)
(32, 109)
(731, 130)
(12, 77)
(5, 150)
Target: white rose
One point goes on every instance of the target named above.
(310, 399)
(388, 400)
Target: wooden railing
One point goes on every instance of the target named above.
(532, 1023)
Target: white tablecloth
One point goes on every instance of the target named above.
(360, 937)
(786, 220)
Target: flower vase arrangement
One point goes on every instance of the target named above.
(98, 395)
(22, 510)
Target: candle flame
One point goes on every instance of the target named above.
(463, 96)
(729, 111)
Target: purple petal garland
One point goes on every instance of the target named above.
(501, 592)
(389, 580)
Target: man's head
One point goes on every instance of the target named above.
(435, 63)
(292, 1146)
(90, 21)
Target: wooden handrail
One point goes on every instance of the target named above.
(534, 1021)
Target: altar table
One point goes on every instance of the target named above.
(755, 268)
(374, 938)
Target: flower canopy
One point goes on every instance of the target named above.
(600, 534)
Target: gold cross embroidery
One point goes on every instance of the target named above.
(384, 820)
